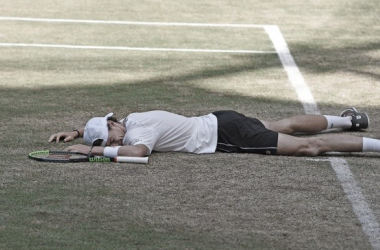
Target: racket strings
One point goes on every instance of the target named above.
(57, 156)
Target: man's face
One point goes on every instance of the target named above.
(115, 134)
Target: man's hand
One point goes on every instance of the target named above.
(65, 136)
(80, 148)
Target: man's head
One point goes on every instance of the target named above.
(103, 131)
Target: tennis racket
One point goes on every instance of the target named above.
(67, 156)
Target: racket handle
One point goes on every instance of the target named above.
(142, 160)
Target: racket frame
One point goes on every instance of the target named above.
(85, 158)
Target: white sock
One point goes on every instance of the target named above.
(371, 145)
(338, 122)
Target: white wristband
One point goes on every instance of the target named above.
(111, 151)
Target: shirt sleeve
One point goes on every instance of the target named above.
(145, 136)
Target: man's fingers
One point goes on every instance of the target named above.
(52, 137)
(72, 148)
(62, 136)
(78, 148)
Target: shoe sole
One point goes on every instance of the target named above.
(362, 115)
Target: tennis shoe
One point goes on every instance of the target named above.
(359, 120)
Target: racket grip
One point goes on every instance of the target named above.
(142, 160)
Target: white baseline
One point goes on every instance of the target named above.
(27, 19)
(67, 46)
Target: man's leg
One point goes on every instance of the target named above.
(313, 146)
(308, 124)
(349, 119)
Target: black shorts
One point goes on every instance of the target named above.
(238, 133)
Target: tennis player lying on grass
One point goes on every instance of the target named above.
(227, 131)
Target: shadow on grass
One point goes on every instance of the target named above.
(355, 59)
(311, 57)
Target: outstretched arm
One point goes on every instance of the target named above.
(67, 136)
(127, 150)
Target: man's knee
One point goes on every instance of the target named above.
(282, 126)
(290, 145)
(312, 146)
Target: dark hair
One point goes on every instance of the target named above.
(99, 142)
(113, 119)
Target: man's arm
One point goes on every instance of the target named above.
(67, 136)
(133, 150)
(128, 150)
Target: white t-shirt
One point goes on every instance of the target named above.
(165, 131)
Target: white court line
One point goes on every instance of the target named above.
(27, 19)
(360, 207)
(66, 46)
(294, 74)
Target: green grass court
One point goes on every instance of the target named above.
(132, 56)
